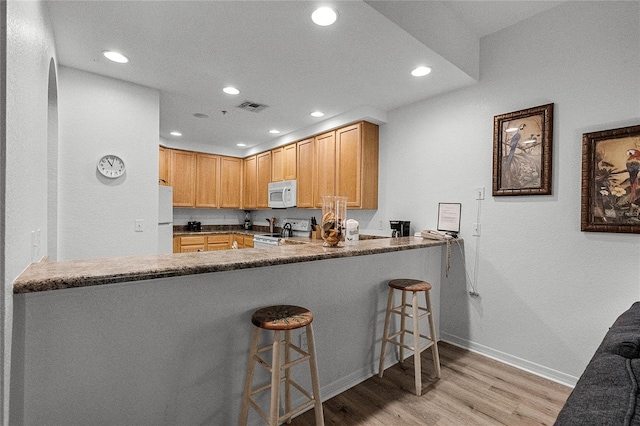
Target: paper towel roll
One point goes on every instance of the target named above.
(352, 231)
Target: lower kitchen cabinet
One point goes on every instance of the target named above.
(218, 242)
(190, 243)
(210, 242)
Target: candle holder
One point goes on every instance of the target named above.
(334, 215)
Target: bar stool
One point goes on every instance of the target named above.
(413, 286)
(277, 319)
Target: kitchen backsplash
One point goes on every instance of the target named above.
(259, 217)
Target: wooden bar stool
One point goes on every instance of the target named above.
(281, 318)
(413, 286)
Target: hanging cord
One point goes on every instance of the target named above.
(473, 291)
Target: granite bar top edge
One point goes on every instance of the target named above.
(48, 276)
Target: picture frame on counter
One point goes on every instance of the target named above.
(610, 181)
(522, 151)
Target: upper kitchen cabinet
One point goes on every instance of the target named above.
(163, 166)
(325, 167)
(283, 163)
(263, 164)
(207, 180)
(250, 183)
(357, 165)
(306, 180)
(182, 174)
(230, 182)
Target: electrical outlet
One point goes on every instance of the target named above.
(303, 341)
(480, 193)
(476, 229)
(139, 225)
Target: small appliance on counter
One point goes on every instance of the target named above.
(194, 226)
(247, 220)
(400, 228)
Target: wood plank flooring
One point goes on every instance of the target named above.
(473, 390)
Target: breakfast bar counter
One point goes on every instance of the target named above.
(164, 339)
(44, 276)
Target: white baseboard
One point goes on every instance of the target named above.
(522, 364)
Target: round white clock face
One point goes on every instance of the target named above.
(111, 166)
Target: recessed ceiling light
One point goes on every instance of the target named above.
(231, 90)
(200, 115)
(175, 134)
(115, 56)
(317, 114)
(324, 16)
(274, 131)
(420, 71)
(241, 144)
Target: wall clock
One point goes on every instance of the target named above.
(111, 166)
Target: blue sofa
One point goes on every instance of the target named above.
(607, 392)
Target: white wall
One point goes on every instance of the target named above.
(548, 292)
(30, 48)
(99, 116)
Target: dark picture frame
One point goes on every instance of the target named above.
(610, 179)
(522, 151)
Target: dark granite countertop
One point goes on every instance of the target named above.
(45, 275)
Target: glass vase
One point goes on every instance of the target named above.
(334, 216)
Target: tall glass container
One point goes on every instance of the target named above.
(334, 216)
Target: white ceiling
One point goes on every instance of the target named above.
(275, 55)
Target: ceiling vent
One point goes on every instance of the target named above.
(252, 106)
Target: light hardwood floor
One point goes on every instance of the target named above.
(473, 390)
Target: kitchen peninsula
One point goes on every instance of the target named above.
(163, 339)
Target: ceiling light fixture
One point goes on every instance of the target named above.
(241, 144)
(324, 16)
(274, 131)
(317, 114)
(200, 115)
(231, 90)
(175, 134)
(420, 71)
(115, 56)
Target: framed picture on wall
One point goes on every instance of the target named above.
(610, 186)
(522, 143)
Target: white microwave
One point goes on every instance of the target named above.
(282, 194)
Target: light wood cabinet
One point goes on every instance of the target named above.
(191, 243)
(163, 166)
(340, 162)
(207, 180)
(250, 183)
(277, 164)
(218, 242)
(325, 167)
(263, 161)
(283, 163)
(305, 165)
(357, 165)
(230, 183)
(210, 242)
(182, 173)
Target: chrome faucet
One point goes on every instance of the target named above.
(272, 222)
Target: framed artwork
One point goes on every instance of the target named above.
(610, 187)
(522, 143)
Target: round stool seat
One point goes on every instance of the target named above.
(409, 285)
(281, 317)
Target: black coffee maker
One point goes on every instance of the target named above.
(400, 228)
